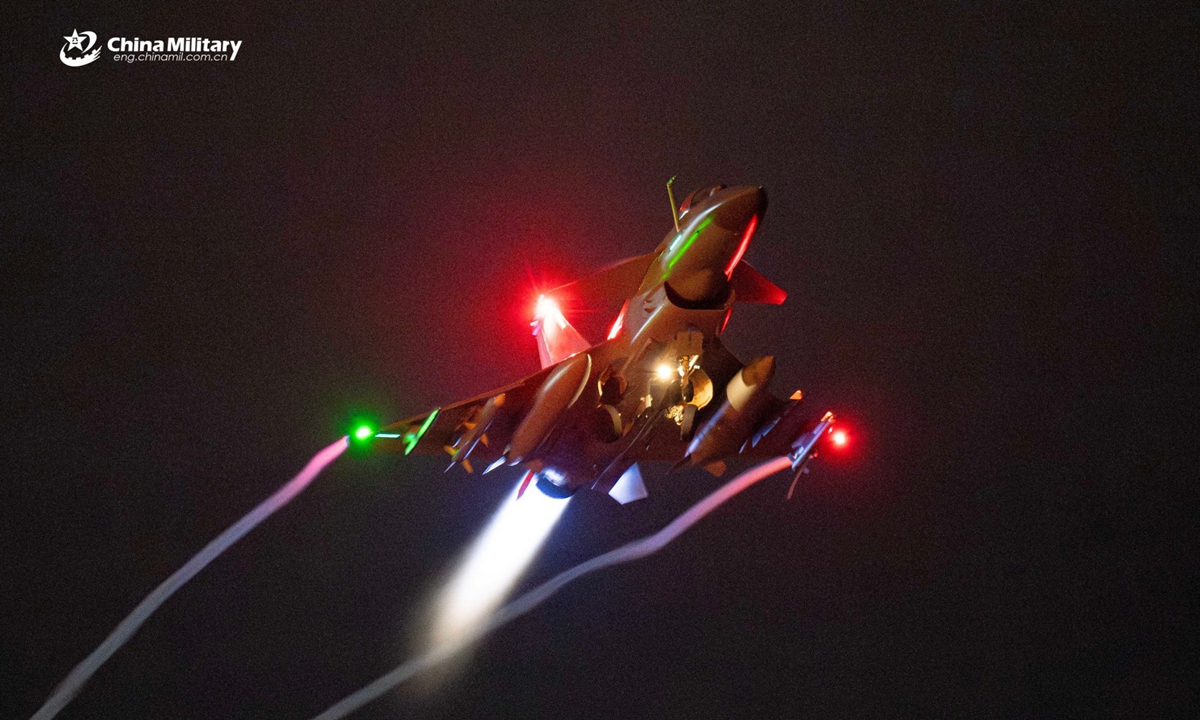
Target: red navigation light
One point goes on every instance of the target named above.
(547, 309)
(839, 438)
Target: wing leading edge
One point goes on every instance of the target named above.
(476, 429)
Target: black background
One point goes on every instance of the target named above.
(984, 214)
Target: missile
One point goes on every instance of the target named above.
(775, 435)
(466, 444)
(747, 402)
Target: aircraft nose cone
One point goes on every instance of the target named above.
(738, 205)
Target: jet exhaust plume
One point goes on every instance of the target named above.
(535, 597)
(83, 672)
(493, 564)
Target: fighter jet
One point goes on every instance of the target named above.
(660, 388)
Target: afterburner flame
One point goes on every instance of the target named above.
(493, 564)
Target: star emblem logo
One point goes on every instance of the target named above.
(74, 41)
(85, 43)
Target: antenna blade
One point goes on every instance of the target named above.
(671, 197)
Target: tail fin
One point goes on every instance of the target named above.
(556, 339)
(606, 289)
(596, 295)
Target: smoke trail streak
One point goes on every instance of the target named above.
(630, 551)
(83, 672)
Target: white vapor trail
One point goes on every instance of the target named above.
(83, 672)
(630, 551)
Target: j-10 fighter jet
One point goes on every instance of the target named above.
(660, 388)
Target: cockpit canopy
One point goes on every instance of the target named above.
(698, 196)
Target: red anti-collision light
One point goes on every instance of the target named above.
(839, 438)
(547, 309)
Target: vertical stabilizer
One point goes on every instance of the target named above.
(556, 339)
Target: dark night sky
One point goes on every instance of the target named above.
(985, 216)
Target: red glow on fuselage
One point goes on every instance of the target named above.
(619, 322)
(737, 256)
